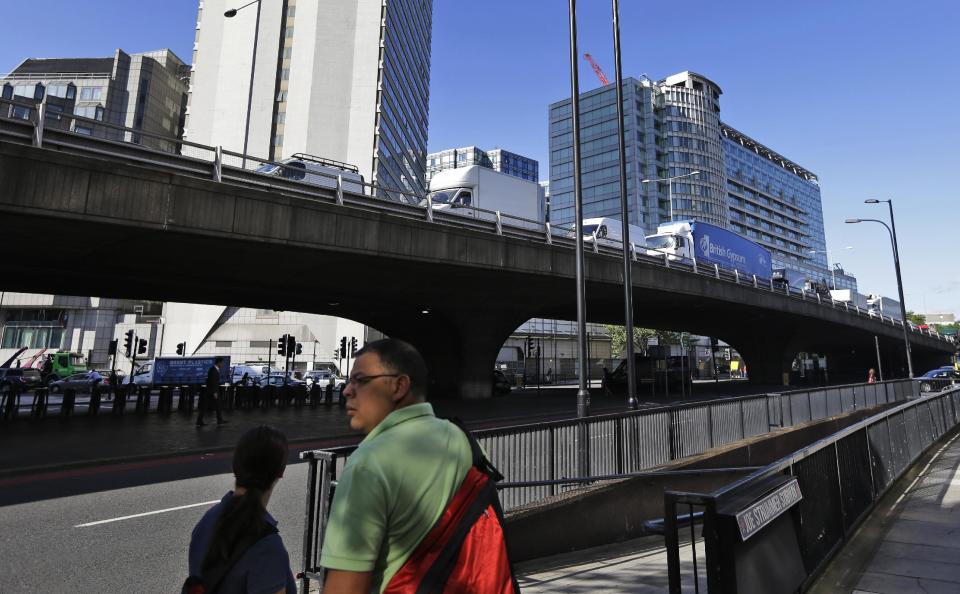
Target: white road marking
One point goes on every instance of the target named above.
(159, 511)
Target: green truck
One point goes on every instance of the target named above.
(63, 363)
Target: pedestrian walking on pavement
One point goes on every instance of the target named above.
(871, 376)
(211, 393)
(46, 370)
(402, 488)
(235, 547)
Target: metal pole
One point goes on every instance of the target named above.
(903, 305)
(876, 342)
(670, 195)
(624, 215)
(583, 394)
(253, 69)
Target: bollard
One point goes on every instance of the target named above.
(316, 393)
(95, 397)
(328, 394)
(191, 397)
(340, 399)
(69, 401)
(7, 399)
(120, 399)
(143, 393)
(165, 399)
(39, 407)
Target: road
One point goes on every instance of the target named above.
(126, 526)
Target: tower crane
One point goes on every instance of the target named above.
(597, 70)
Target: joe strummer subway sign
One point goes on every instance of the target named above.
(763, 511)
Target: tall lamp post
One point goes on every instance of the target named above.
(253, 63)
(833, 273)
(669, 181)
(896, 265)
(632, 403)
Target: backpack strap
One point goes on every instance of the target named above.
(479, 458)
(210, 580)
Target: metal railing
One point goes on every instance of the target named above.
(841, 478)
(540, 460)
(36, 123)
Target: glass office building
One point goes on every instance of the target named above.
(496, 159)
(673, 128)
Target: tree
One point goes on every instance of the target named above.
(916, 318)
(641, 339)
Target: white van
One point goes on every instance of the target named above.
(607, 231)
(317, 171)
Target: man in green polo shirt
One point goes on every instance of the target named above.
(398, 482)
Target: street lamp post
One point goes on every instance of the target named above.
(833, 273)
(896, 265)
(624, 214)
(669, 181)
(583, 393)
(253, 64)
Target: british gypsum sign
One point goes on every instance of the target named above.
(762, 512)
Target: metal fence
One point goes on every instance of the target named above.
(40, 125)
(841, 478)
(545, 454)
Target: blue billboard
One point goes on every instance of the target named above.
(726, 249)
(183, 371)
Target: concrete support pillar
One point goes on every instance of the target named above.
(460, 351)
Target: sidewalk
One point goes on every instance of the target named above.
(909, 544)
(634, 567)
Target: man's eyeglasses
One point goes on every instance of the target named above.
(362, 380)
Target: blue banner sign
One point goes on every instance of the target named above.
(183, 371)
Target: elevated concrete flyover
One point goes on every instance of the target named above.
(77, 223)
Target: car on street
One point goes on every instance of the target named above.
(81, 382)
(316, 171)
(322, 378)
(278, 380)
(937, 380)
(253, 372)
(17, 379)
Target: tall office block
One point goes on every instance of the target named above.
(342, 80)
(673, 128)
(145, 91)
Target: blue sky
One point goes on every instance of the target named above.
(863, 93)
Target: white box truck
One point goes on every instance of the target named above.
(479, 192)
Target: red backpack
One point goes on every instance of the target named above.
(466, 550)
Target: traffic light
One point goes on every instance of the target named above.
(141, 346)
(112, 349)
(291, 344)
(343, 347)
(128, 342)
(181, 348)
(282, 345)
(529, 346)
(353, 346)
(299, 350)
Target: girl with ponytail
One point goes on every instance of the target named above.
(235, 547)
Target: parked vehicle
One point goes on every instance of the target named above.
(81, 382)
(706, 244)
(323, 377)
(254, 372)
(468, 191)
(18, 379)
(937, 380)
(63, 363)
(176, 371)
(607, 231)
(278, 380)
(317, 171)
